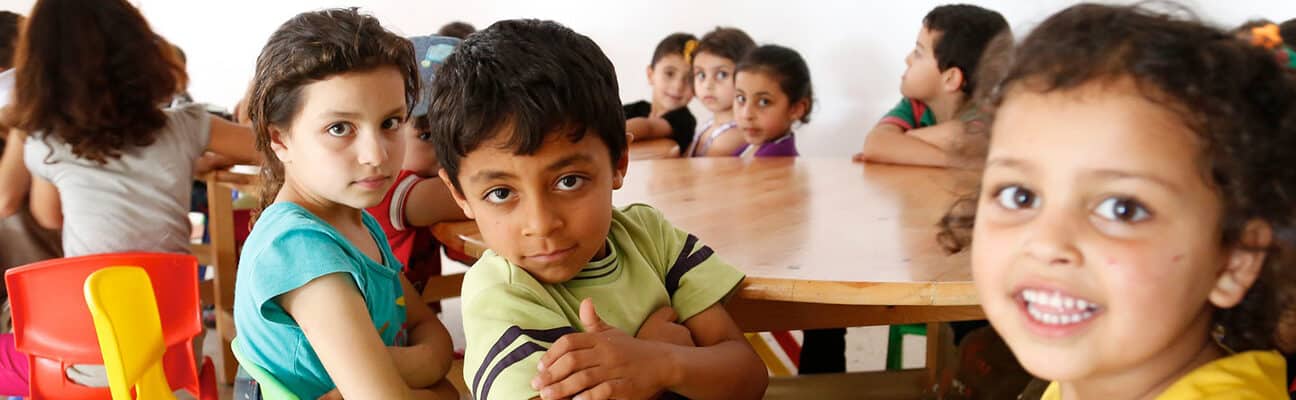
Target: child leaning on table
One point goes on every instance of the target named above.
(535, 165)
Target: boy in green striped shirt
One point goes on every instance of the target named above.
(575, 298)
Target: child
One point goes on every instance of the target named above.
(714, 64)
(937, 84)
(109, 165)
(535, 163)
(414, 203)
(669, 74)
(771, 92)
(320, 302)
(1131, 234)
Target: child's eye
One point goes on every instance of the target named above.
(1016, 197)
(570, 182)
(740, 99)
(722, 75)
(425, 136)
(391, 123)
(700, 75)
(339, 129)
(1122, 209)
(498, 195)
(763, 102)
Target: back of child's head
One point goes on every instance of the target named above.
(1235, 98)
(726, 42)
(962, 33)
(311, 47)
(457, 29)
(676, 43)
(527, 79)
(787, 67)
(93, 75)
(1287, 30)
(9, 28)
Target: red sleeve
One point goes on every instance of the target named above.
(390, 213)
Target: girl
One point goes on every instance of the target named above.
(320, 301)
(667, 116)
(109, 165)
(714, 62)
(771, 92)
(1132, 236)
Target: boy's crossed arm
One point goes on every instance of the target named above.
(930, 146)
(604, 362)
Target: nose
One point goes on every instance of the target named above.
(541, 219)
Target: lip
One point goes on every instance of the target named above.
(1056, 312)
(372, 182)
(708, 99)
(551, 256)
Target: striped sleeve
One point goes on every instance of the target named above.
(508, 330)
(902, 115)
(694, 276)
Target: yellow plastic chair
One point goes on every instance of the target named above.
(130, 332)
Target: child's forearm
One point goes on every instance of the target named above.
(725, 370)
(427, 359)
(900, 148)
(14, 178)
(645, 128)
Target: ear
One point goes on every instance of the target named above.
(278, 143)
(456, 194)
(798, 110)
(648, 74)
(952, 79)
(618, 177)
(1243, 265)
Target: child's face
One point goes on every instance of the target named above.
(922, 76)
(1097, 241)
(344, 145)
(420, 154)
(713, 80)
(671, 82)
(762, 109)
(549, 212)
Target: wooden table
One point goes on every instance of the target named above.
(824, 242)
(654, 149)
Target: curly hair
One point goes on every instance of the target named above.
(308, 48)
(1237, 100)
(93, 75)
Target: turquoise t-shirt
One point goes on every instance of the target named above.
(288, 248)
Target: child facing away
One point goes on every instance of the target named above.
(108, 165)
(772, 91)
(926, 127)
(320, 302)
(715, 61)
(417, 200)
(535, 165)
(671, 76)
(1132, 232)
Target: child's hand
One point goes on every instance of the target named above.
(331, 395)
(661, 327)
(601, 363)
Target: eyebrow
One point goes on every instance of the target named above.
(356, 115)
(490, 175)
(1105, 174)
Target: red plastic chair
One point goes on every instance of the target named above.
(53, 327)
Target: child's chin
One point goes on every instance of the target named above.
(1053, 365)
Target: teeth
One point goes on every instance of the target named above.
(1064, 310)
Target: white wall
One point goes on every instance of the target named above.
(855, 48)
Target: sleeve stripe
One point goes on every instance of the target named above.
(518, 354)
(685, 262)
(512, 334)
(396, 212)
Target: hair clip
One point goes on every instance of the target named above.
(1266, 36)
(688, 50)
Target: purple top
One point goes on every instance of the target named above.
(782, 147)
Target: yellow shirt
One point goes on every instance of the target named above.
(1243, 376)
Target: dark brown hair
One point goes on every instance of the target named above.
(675, 43)
(731, 43)
(1237, 100)
(93, 75)
(962, 32)
(308, 48)
(457, 29)
(10, 25)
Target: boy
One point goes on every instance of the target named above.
(529, 131)
(925, 128)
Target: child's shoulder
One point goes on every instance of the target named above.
(494, 276)
(285, 222)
